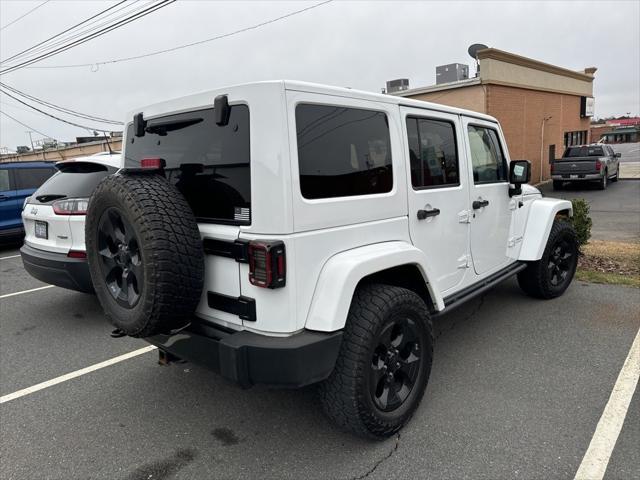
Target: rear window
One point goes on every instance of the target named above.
(30, 178)
(342, 151)
(77, 182)
(209, 164)
(584, 152)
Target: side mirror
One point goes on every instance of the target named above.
(519, 173)
(617, 154)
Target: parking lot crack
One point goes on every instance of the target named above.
(381, 461)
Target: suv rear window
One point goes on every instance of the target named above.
(342, 151)
(209, 164)
(584, 152)
(74, 181)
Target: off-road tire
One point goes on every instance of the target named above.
(169, 246)
(557, 184)
(535, 280)
(604, 181)
(345, 395)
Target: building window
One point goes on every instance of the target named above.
(575, 138)
(342, 151)
(432, 152)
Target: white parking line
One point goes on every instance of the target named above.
(595, 461)
(7, 295)
(10, 256)
(77, 373)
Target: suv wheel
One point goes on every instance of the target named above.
(384, 362)
(550, 276)
(145, 253)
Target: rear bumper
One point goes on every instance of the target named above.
(57, 269)
(577, 177)
(248, 358)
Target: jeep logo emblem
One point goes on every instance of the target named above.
(34, 211)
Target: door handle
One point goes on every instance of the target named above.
(3, 198)
(477, 204)
(422, 214)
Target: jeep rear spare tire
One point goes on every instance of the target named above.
(145, 253)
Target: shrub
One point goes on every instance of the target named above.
(581, 220)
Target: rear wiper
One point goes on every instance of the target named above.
(49, 198)
(162, 128)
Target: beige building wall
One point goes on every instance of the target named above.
(471, 98)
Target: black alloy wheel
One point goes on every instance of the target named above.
(395, 364)
(560, 263)
(120, 258)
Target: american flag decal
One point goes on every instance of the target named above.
(241, 214)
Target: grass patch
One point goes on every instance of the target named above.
(616, 263)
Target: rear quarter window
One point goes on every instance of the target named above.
(342, 151)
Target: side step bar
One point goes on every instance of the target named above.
(454, 300)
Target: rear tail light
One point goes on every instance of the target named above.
(70, 206)
(267, 264)
(598, 166)
(551, 168)
(77, 254)
(152, 163)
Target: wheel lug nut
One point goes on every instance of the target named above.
(397, 365)
(389, 376)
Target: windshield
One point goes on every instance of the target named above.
(208, 163)
(584, 152)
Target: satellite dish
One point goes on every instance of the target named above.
(473, 49)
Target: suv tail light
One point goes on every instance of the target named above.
(267, 264)
(153, 163)
(598, 165)
(70, 206)
(77, 254)
(551, 168)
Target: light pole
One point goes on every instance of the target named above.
(544, 120)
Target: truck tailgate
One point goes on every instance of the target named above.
(575, 166)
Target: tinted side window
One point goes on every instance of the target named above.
(4, 180)
(31, 177)
(433, 152)
(342, 151)
(487, 159)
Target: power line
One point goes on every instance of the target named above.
(52, 116)
(75, 32)
(68, 111)
(63, 32)
(87, 38)
(200, 42)
(25, 125)
(25, 14)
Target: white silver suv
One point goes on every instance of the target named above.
(287, 233)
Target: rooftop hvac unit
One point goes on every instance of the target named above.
(397, 85)
(454, 72)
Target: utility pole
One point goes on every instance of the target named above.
(31, 139)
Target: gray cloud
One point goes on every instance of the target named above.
(357, 44)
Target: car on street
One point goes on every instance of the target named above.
(586, 163)
(54, 220)
(287, 233)
(18, 180)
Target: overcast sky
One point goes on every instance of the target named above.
(358, 44)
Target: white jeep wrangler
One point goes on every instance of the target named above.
(286, 233)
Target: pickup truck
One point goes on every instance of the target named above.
(585, 163)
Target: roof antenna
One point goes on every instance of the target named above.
(108, 144)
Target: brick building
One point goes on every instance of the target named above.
(542, 108)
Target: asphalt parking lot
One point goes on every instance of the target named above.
(517, 390)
